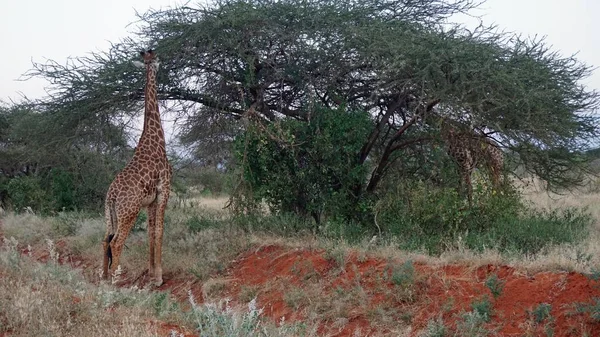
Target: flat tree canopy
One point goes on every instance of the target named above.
(400, 61)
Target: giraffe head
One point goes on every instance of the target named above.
(150, 60)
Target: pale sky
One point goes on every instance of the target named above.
(56, 29)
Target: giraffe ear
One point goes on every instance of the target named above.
(138, 64)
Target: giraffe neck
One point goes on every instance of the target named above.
(153, 132)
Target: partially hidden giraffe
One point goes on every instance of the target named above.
(471, 150)
(144, 183)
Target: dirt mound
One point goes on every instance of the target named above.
(444, 292)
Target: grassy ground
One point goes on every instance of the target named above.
(201, 241)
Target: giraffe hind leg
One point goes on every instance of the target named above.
(151, 210)
(107, 261)
(116, 245)
(161, 204)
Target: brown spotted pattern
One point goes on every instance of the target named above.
(471, 150)
(144, 183)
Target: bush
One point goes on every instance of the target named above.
(435, 219)
(62, 190)
(309, 169)
(196, 223)
(281, 223)
(67, 223)
(26, 191)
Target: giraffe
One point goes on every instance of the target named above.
(471, 150)
(144, 183)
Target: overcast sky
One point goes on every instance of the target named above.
(56, 29)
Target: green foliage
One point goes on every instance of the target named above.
(198, 223)
(307, 168)
(192, 180)
(592, 308)
(405, 64)
(26, 191)
(141, 222)
(62, 190)
(472, 324)
(163, 304)
(435, 219)
(483, 308)
(495, 285)
(67, 223)
(404, 275)
(541, 312)
(436, 328)
(285, 224)
(72, 164)
(534, 230)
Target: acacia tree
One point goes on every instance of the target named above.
(400, 61)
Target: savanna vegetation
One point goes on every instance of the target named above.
(321, 119)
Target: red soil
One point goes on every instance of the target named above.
(445, 291)
(435, 291)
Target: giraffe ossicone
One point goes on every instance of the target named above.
(145, 182)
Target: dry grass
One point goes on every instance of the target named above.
(549, 200)
(215, 204)
(51, 300)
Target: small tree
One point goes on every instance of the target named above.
(306, 168)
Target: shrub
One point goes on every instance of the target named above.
(309, 169)
(437, 218)
(67, 223)
(62, 190)
(196, 223)
(495, 285)
(26, 191)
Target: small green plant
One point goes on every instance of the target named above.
(196, 224)
(435, 328)
(541, 312)
(140, 222)
(483, 308)
(163, 304)
(592, 308)
(594, 274)
(404, 275)
(247, 293)
(295, 298)
(66, 223)
(337, 255)
(472, 324)
(495, 285)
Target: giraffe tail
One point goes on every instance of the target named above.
(112, 229)
(108, 250)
